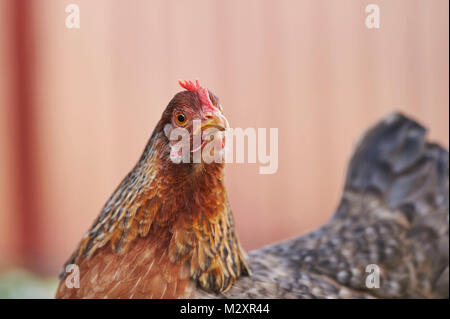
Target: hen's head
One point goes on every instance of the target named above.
(196, 117)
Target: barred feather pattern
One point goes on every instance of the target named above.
(165, 231)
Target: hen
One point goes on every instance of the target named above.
(168, 228)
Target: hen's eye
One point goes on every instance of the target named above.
(181, 119)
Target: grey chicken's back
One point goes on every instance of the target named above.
(393, 214)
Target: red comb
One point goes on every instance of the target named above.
(202, 94)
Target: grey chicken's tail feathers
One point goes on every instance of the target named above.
(391, 224)
(394, 160)
(397, 192)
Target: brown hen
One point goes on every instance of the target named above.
(168, 228)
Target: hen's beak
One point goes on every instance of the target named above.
(216, 120)
(212, 120)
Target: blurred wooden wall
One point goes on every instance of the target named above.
(310, 68)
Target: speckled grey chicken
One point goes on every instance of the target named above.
(393, 213)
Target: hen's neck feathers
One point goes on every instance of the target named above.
(185, 202)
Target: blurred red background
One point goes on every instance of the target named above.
(78, 105)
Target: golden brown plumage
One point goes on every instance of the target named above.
(168, 228)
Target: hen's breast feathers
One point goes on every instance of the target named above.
(158, 235)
